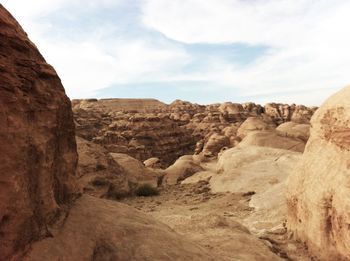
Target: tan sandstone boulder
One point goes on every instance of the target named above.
(294, 130)
(152, 163)
(254, 124)
(319, 191)
(261, 171)
(214, 144)
(183, 168)
(136, 173)
(272, 139)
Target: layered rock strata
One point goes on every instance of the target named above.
(170, 131)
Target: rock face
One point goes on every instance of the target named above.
(255, 124)
(318, 190)
(98, 173)
(281, 113)
(272, 139)
(183, 168)
(38, 149)
(111, 175)
(138, 134)
(141, 105)
(147, 128)
(294, 130)
(98, 229)
(261, 170)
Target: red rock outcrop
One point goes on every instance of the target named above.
(170, 131)
(318, 190)
(283, 112)
(38, 149)
(126, 105)
(138, 134)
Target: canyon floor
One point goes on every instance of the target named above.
(214, 221)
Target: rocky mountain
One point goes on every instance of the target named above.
(170, 131)
(140, 134)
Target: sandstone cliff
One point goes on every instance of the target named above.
(139, 134)
(38, 150)
(147, 128)
(318, 191)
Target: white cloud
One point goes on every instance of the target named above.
(310, 38)
(93, 65)
(253, 22)
(95, 59)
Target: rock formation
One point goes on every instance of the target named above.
(140, 105)
(318, 191)
(38, 149)
(255, 124)
(262, 171)
(98, 173)
(294, 130)
(153, 129)
(272, 139)
(283, 113)
(140, 135)
(183, 168)
(98, 229)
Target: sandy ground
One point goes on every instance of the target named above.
(214, 221)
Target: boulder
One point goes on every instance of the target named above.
(98, 174)
(136, 173)
(152, 163)
(294, 130)
(272, 139)
(318, 190)
(214, 145)
(183, 168)
(254, 124)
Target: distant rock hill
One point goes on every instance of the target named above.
(145, 128)
(140, 105)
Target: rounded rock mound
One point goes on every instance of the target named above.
(318, 190)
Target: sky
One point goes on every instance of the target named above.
(290, 51)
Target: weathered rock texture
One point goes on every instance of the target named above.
(138, 134)
(38, 149)
(183, 168)
(98, 229)
(140, 105)
(153, 129)
(111, 175)
(98, 174)
(319, 191)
